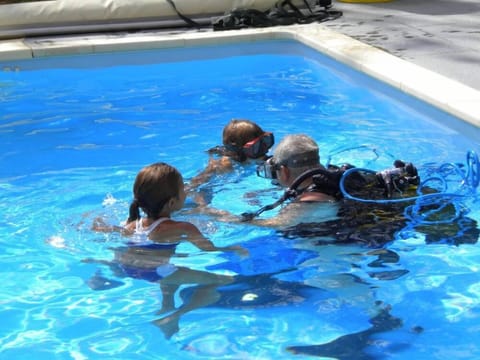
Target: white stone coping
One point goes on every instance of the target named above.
(446, 94)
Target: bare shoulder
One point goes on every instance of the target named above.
(215, 166)
(172, 229)
(186, 226)
(221, 165)
(316, 197)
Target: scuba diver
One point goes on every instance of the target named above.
(344, 204)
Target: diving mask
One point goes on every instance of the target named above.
(268, 169)
(255, 148)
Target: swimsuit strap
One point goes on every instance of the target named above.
(139, 229)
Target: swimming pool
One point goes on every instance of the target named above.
(75, 130)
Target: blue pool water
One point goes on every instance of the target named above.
(75, 131)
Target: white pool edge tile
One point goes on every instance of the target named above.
(14, 49)
(446, 94)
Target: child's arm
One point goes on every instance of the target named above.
(196, 238)
(100, 225)
(215, 166)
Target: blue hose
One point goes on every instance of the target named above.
(468, 183)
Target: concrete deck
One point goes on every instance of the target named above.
(440, 35)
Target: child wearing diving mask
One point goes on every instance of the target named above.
(243, 140)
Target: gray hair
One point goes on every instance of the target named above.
(297, 151)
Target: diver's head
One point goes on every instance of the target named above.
(245, 139)
(294, 155)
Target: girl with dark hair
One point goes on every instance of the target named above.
(158, 192)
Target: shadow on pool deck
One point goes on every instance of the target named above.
(440, 35)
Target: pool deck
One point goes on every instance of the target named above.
(429, 48)
(439, 35)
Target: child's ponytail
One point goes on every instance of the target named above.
(134, 211)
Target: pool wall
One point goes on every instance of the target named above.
(443, 93)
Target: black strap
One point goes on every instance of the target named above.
(183, 17)
(290, 193)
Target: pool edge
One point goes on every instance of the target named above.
(440, 91)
